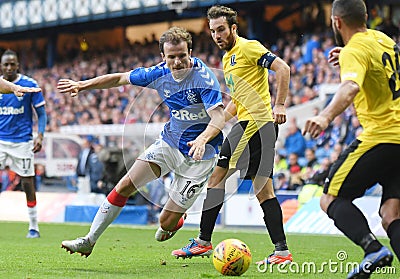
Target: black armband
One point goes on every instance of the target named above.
(266, 60)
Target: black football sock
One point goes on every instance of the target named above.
(211, 207)
(352, 222)
(273, 221)
(393, 232)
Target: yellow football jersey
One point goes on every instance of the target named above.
(371, 59)
(247, 81)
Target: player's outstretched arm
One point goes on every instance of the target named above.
(67, 86)
(216, 124)
(7, 87)
(342, 99)
(230, 111)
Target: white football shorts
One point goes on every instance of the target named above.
(190, 176)
(18, 156)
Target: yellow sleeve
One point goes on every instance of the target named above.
(353, 65)
(253, 51)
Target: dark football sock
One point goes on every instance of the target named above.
(352, 222)
(273, 221)
(211, 207)
(393, 232)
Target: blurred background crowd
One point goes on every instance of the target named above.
(299, 161)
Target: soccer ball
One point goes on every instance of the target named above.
(231, 257)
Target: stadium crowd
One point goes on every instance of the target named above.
(306, 55)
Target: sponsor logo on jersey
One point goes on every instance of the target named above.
(11, 110)
(191, 96)
(184, 114)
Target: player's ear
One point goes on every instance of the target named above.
(162, 56)
(234, 28)
(337, 21)
(190, 52)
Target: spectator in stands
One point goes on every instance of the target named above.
(294, 142)
(353, 128)
(281, 182)
(389, 28)
(311, 44)
(83, 167)
(16, 139)
(96, 170)
(294, 172)
(280, 163)
(10, 180)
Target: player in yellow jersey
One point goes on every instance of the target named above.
(369, 68)
(250, 145)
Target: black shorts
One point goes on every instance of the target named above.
(250, 148)
(361, 166)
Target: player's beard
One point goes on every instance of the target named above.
(338, 37)
(231, 41)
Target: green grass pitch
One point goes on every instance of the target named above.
(132, 252)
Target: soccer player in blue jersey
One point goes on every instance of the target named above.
(189, 141)
(16, 141)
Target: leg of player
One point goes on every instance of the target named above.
(390, 212)
(352, 222)
(139, 175)
(29, 189)
(273, 220)
(171, 220)
(201, 246)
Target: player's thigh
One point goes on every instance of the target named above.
(22, 158)
(231, 144)
(262, 151)
(190, 179)
(249, 147)
(359, 167)
(162, 155)
(390, 177)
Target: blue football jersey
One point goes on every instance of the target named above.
(16, 112)
(188, 101)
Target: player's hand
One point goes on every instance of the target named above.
(333, 56)
(279, 114)
(20, 91)
(37, 144)
(66, 86)
(197, 148)
(315, 125)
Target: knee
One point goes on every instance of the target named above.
(325, 201)
(388, 218)
(389, 211)
(125, 186)
(218, 178)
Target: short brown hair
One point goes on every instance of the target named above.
(222, 11)
(175, 35)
